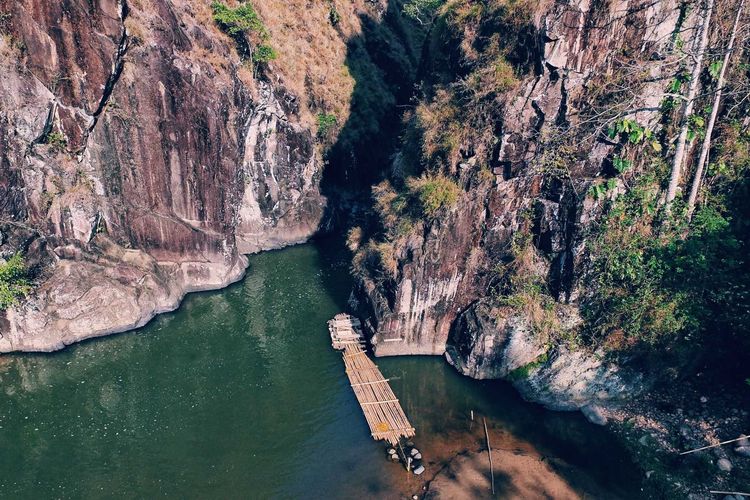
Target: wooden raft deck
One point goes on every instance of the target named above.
(382, 409)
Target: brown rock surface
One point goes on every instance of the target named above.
(141, 157)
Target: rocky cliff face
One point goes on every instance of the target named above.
(436, 303)
(142, 154)
(140, 159)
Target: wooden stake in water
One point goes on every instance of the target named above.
(489, 454)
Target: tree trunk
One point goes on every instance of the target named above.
(706, 147)
(679, 154)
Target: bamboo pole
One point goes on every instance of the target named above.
(489, 454)
(370, 383)
(714, 445)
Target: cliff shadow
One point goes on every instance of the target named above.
(383, 60)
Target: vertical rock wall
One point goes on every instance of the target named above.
(140, 160)
(445, 270)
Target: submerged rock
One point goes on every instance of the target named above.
(594, 414)
(724, 465)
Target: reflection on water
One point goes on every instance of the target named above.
(238, 394)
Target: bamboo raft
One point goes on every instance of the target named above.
(379, 404)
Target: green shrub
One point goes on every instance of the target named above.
(239, 20)
(57, 141)
(236, 20)
(326, 124)
(264, 53)
(433, 193)
(333, 15)
(14, 282)
(524, 371)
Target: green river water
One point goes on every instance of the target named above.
(238, 394)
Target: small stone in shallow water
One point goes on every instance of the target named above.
(594, 414)
(724, 464)
(704, 399)
(743, 451)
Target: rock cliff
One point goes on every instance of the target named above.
(520, 178)
(141, 156)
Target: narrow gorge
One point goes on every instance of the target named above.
(500, 172)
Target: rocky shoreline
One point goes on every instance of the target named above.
(658, 426)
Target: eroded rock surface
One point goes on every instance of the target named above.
(431, 307)
(143, 159)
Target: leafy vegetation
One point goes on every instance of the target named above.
(56, 141)
(326, 124)
(524, 371)
(333, 15)
(240, 20)
(264, 53)
(651, 283)
(14, 282)
(433, 193)
(235, 21)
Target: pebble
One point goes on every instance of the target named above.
(724, 464)
(744, 441)
(743, 451)
(704, 399)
